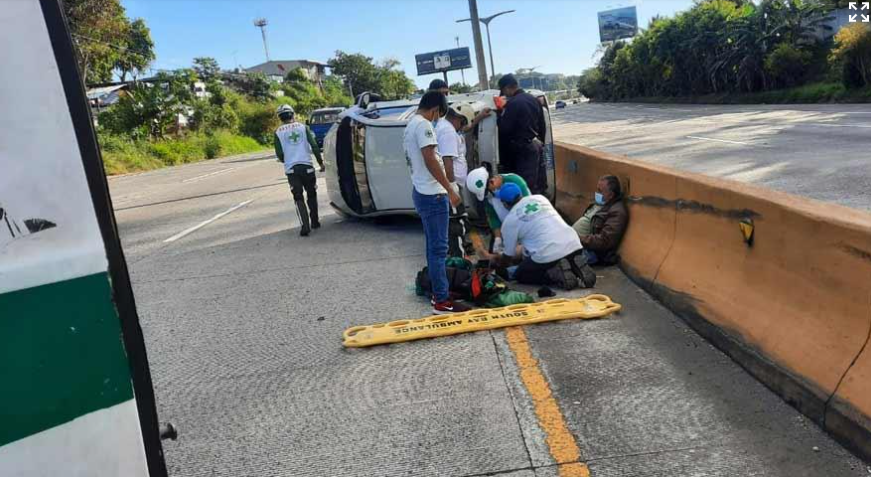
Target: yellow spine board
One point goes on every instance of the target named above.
(592, 306)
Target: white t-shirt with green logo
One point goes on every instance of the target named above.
(419, 134)
(536, 225)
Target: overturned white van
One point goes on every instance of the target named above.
(367, 173)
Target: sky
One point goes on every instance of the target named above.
(556, 36)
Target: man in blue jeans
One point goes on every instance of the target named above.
(432, 194)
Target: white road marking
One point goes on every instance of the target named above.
(722, 140)
(207, 222)
(841, 125)
(210, 174)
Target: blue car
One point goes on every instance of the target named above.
(321, 120)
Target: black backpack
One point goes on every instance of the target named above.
(478, 285)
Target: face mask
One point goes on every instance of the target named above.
(600, 199)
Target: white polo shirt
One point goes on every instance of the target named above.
(419, 134)
(453, 144)
(535, 224)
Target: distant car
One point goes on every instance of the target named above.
(321, 120)
(560, 104)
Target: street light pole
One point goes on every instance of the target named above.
(486, 21)
(261, 24)
(483, 79)
(490, 47)
(462, 70)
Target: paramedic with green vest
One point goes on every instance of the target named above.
(294, 144)
(483, 186)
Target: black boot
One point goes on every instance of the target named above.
(302, 213)
(313, 213)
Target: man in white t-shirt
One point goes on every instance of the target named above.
(452, 149)
(452, 146)
(548, 249)
(432, 194)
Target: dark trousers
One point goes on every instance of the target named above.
(457, 232)
(530, 272)
(528, 162)
(302, 178)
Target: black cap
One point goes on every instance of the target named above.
(506, 81)
(437, 84)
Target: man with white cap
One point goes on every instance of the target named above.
(545, 248)
(480, 183)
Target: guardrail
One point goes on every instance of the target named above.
(790, 300)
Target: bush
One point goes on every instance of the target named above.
(852, 55)
(258, 120)
(788, 65)
(208, 116)
(121, 155)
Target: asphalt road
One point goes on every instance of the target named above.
(243, 321)
(817, 151)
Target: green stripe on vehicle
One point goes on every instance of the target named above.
(61, 355)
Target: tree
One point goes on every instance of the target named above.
(852, 53)
(99, 29)
(296, 75)
(207, 68)
(138, 50)
(788, 65)
(335, 92)
(393, 83)
(254, 85)
(460, 88)
(359, 72)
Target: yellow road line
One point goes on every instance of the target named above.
(560, 441)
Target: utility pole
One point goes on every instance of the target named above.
(463, 70)
(261, 24)
(483, 79)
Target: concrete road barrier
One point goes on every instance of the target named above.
(792, 306)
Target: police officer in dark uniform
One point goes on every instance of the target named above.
(521, 135)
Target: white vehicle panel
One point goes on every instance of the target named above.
(387, 168)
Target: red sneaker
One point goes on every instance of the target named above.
(447, 307)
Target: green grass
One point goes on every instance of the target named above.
(122, 155)
(810, 93)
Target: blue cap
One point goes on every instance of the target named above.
(509, 192)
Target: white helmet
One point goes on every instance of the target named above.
(284, 109)
(476, 182)
(465, 109)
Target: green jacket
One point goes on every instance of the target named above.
(312, 141)
(492, 216)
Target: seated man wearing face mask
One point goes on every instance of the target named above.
(603, 224)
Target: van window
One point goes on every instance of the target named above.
(324, 118)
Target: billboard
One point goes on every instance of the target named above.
(618, 23)
(77, 397)
(439, 61)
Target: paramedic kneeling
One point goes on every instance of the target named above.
(432, 194)
(551, 251)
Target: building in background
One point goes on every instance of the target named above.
(277, 70)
